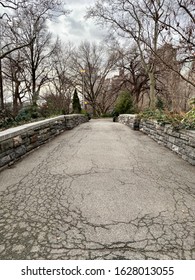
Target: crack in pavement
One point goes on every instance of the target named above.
(77, 203)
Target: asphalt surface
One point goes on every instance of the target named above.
(99, 191)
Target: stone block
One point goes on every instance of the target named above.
(31, 133)
(171, 139)
(175, 149)
(180, 142)
(32, 146)
(192, 142)
(20, 151)
(42, 138)
(176, 134)
(52, 131)
(161, 138)
(159, 127)
(191, 153)
(17, 141)
(43, 131)
(12, 155)
(5, 160)
(184, 136)
(169, 145)
(3, 154)
(26, 141)
(6, 145)
(34, 138)
(168, 130)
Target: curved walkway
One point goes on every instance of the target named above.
(100, 191)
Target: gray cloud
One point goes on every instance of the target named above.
(75, 27)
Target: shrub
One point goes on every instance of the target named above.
(159, 103)
(6, 118)
(27, 113)
(84, 112)
(188, 121)
(178, 121)
(76, 103)
(158, 115)
(192, 102)
(107, 115)
(124, 104)
(55, 104)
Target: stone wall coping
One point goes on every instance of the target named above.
(14, 131)
(70, 116)
(128, 115)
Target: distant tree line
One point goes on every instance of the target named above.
(151, 43)
(163, 35)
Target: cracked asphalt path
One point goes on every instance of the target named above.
(100, 191)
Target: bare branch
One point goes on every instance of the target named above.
(186, 9)
(13, 50)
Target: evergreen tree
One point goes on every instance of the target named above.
(76, 103)
(124, 104)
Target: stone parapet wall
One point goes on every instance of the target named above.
(74, 120)
(18, 141)
(130, 120)
(181, 142)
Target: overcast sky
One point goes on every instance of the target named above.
(74, 27)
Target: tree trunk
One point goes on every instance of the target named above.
(16, 98)
(152, 91)
(34, 94)
(1, 88)
(94, 110)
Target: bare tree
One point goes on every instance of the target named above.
(110, 91)
(33, 18)
(9, 32)
(25, 28)
(137, 21)
(62, 82)
(92, 64)
(135, 79)
(152, 24)
(8, 36)
(181, 27)
(15, 80)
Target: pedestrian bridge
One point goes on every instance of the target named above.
(98, 191)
